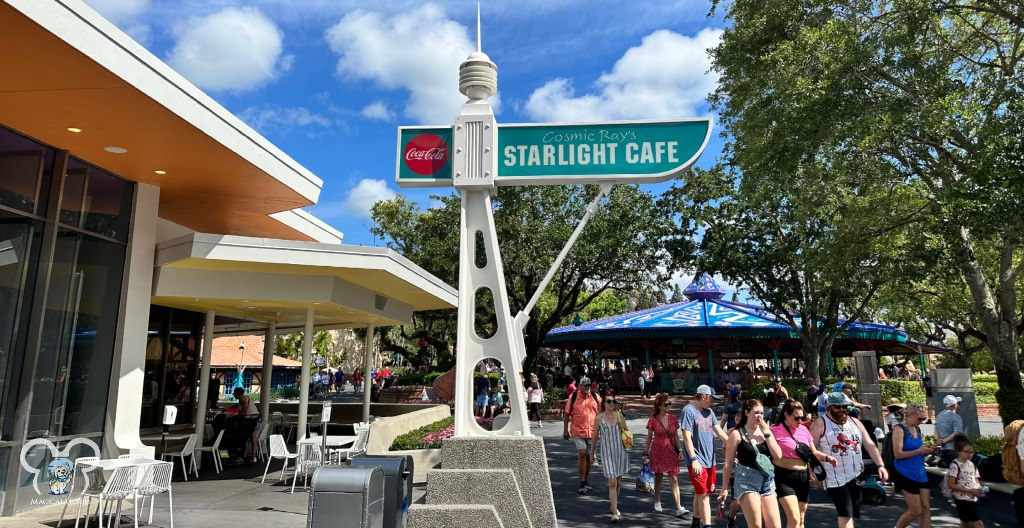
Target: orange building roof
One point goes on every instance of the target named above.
(227, 354)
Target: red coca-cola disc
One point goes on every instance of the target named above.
(426, 154)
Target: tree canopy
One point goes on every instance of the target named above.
(619, 250)
(923, 96)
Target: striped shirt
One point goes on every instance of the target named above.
(843, 441)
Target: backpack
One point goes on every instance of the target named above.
(944, 485)
(990, 469)
(888, 455)
(572, 401)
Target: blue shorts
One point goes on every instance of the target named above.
(481, 401)
(821, 410)
(750, 480)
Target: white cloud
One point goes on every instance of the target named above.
(378, 110)
(119, 12)
(366, 193)
(266, 118)
(418, 51)
(666, 76)
(235, 49)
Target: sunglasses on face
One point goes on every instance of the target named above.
(798, 417)
(837, 407)
(665, 405)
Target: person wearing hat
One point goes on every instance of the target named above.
(947, 424)
(580, 411)
(845, 438)
(699, 427)
(895, 414)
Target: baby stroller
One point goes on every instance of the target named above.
(871, 489)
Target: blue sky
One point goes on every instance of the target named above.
(329, 81)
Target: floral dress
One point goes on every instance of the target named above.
(664, 457)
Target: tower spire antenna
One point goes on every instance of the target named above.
(478, 43)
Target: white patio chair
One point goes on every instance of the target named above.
(187, 451)
(262, 439)
(213, 450)
(120, 486)
(310, 458)
(156, 480)
(83, 482)
(131, 456)
(289, 426)
(357, 448)
(276, 422)
(278, 449)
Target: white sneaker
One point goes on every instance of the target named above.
(657, 506)
(682, 511)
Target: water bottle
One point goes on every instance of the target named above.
(721, 508)
(984, 490)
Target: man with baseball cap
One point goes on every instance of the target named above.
(947, 424)
(845, 437)
(580, 410)
(699, 427)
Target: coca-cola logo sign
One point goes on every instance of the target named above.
(426, 154)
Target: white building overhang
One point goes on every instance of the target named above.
(65, 66)
(266, 280)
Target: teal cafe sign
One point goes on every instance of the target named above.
(562, 153)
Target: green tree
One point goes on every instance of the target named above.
(929, 94)
(618, 250)
(290, 346)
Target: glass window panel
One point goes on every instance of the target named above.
(231, 377)
(282, 378)
(19, 249)
(72, 373)
(23, 163)
(96, 201)
(73, 194)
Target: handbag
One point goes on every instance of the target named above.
(627, 439)
(763, 461)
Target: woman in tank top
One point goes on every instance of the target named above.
(909, 476)
(754, 489)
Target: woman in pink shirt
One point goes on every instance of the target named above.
(792, 482)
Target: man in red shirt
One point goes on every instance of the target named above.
(581, 409)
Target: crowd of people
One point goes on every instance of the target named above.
(773, 451)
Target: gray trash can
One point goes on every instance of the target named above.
(397, 485)
(336, 494)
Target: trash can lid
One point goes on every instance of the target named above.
(345, 479)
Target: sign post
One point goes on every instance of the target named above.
(476, 155)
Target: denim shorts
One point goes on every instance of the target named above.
(750, 480)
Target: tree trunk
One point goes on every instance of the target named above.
(998, 315)
(812, 361)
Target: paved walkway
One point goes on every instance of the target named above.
(579, 511)
(237, 496)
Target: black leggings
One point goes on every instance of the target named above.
(534, 411)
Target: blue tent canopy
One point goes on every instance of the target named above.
(738, 329)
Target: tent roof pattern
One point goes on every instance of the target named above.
(707, 315)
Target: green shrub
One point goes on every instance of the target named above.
(284, 393)
(985, 391)
(554, 394)
(415, 439)
(987, 445)
(797, 388)
(416, 378)
(906, 391)
(984, 378)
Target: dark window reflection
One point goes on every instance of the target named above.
(24, 164)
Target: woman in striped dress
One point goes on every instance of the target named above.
(608, 427)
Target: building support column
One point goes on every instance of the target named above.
(128, 369)
(204, 377)
(269, 347)
(307, 358)
(367, 367)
